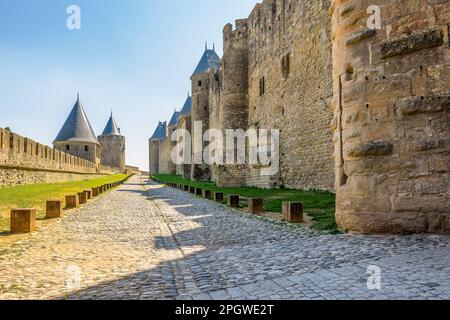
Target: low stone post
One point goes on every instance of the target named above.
(233, 200)
(88, 194)
(207, 194)
(218, 197)
(71, 202)
(192, 189)
(82, 198)
(23, 220)
(198, 192)
(53, 209)
(186, 188)
(94, 192)
(293, 211)
(256, 205)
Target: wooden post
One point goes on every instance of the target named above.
(82, 198)
(293, 211)
(198, 192)
(71, 202)
(94, 192)
(218, 197)
(88, 194)
(233, 200)
(207, 194)
(256, 205)
(23, 220)
(53, 209)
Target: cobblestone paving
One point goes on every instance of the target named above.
(143, 241)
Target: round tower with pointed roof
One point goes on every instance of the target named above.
(76, 136)
(112, 144)
(155, 141)
(200, 80)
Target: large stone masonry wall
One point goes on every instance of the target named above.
(24, 161)
(296, 34)
(391, 107)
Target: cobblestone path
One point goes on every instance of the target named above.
(143, 241)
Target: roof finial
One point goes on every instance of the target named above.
(214, 47)
(78, 97)
(206, 45)
(111, 112)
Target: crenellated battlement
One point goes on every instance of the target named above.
(17, 152)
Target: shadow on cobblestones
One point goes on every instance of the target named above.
(202, 247)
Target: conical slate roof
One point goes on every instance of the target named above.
(174, 120)
(77, 127)
(209, 60)
(111, 128)
(186, 110)
(160, 132)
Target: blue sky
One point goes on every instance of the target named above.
(132, 56)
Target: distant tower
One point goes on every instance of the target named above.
(210, 61)
(112, 146)
(184, 123)
(154, 143)
(76, 137)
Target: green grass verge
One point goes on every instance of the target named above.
(320, 205)
(36, 195)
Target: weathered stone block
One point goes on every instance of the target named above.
(23, 220)
(256, 205)
(428, 104)
(373, 148)
(360, 36)
(415, 41)
(95, 192)
(71, 202)
(292, 211)
(82, 198)
(218, 197)
(53, 209)
(233, 200)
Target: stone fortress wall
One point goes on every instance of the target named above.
(112, 152)
(318, 73)
(24, 161)
(391, 116)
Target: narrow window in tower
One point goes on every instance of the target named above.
(286, 66)
(67, 147)
(262, 86)
(200, 83)
(86, 148)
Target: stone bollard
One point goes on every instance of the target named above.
(207, 194)
(94, 192)
(53, 209)
(23, 220)
(198, 192)
(71, 202)
(186, 188)
(192, 189)
(82, 198)
(218, 197)
(88, 194)
(293, 211)
(233, 200)
(256, 205)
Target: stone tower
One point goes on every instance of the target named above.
(391, 115)
(112, 146)
(200, 109)
(184, 123)
(154, 143)
(233, 112)
(76, 136)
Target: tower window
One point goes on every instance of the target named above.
(86, 148)
(200, 83)
(262, 86)
(67, 147)
(286, 66)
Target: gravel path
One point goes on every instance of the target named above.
(144, 241)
